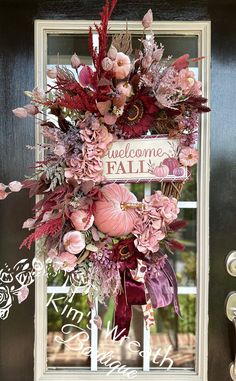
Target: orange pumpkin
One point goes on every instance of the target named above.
(111, 216)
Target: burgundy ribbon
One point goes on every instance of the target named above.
(161, 286)
(133, 292)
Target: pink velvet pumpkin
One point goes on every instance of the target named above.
(110, 215)
(172, 163)
(161, 171)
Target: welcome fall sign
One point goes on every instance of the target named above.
(151, 158)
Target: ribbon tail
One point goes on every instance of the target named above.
(168, 270)
(133, 294)
(123, 315)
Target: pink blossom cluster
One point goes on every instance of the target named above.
(151, 225)
(87, 166)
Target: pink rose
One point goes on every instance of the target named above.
(20, 112)
(59, 150)
(74, 242)
(147, 19)
(52, 72)
(82, 220)
(107, 64)
(75, 61)
(121, 66)
(188, 156)
(15, 186)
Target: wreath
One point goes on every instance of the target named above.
(99, 234)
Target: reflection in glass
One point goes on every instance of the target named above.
(124, 350)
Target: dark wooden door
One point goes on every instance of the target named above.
(17, 74)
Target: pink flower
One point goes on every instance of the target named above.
(38, 94)
(59, 150)
(75, 61)
(103, 107)
(29, 223)
(74, 242)
(124, 88)
(53, 253)
(52, 72)
(31, 109)
(121, 66)
(147, 19)
(150, 227)
(110, 118)
(20, 112)
(2, 187)
(15, 186)
(186, 81)
(3, 194)
(112, 53)
(82, 220)
(107, 64)
(66, 261)
(188, 156)
(63, 261)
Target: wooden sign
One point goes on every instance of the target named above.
(150, 158)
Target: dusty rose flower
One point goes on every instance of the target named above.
(53, 253)
(52, 72)
(3, 194)
(146, 61)
(38, 94)
(103, 107)
(20, 112)
(2, 187)
(75, 61)
(31, 109)
(147, 19)
(124, 88)
(15, 186)
(121, 66)
(82, 220)
(59, 150)
(74, 242)
(68, 173)
(29, 223)
(66, 261)
(187, 82)
(112, 52)
(107, 64)
(110, 118)
(188, 156)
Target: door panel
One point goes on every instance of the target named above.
(17, 74)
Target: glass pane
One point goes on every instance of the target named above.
(124, 350)
(68, 331)
(172, 336)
